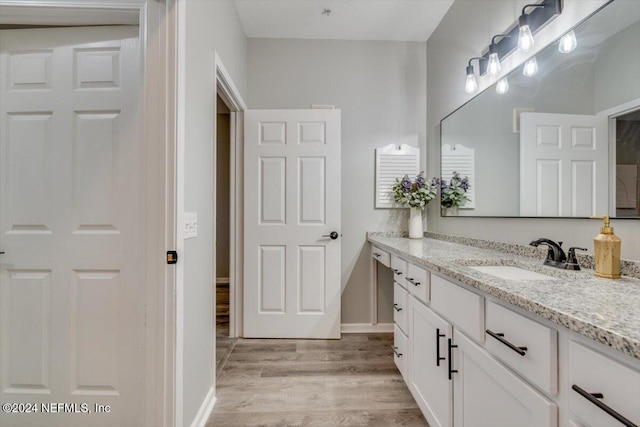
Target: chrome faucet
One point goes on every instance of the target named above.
(556, 256)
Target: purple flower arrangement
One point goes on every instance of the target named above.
(415, 194)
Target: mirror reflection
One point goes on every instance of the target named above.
(563, 139)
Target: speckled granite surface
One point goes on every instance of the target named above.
(627, 267)
(607, 311)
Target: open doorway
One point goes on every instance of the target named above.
(627, 155)
(224, 337)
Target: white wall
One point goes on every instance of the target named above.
(465, 32)
(616, 71)
(208, 26)
(380, 88)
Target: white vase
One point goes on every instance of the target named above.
(415, 223)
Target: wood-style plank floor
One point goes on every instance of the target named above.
(347, 382)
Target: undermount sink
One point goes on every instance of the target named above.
(508, 272)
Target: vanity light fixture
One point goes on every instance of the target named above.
(471, 84)
(493, 67)
(542, 14)
(530, 68)
(503, 86)
(568, 42)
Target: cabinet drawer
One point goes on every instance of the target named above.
(592, 372)
(511, 333)
(400, 350)
(399, 267)
(417, 282)
(400, 307)
(382, 256)
(463, 308)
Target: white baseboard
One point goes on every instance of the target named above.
(205, 409)
(359, 328)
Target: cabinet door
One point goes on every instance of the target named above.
(487, 394)
(428, 377)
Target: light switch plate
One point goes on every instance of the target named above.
(190, 225)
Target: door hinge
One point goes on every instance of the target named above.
(172, 257)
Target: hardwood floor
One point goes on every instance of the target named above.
(224, 344)
(347, 382)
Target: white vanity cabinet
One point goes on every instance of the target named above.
(429, 374)
(487, 394)
(473, 360)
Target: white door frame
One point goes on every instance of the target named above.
(230, 94)
(157, 22)
(612, 114)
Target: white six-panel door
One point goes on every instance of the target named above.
(563, 165)
(292, 199)
(71, 210)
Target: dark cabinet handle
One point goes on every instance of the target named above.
(438, 336)
(522, 351)
(593, 398)
(451, 346)
(410, 280)
(398, 309)
(1, 252)
(396, 271)
(376, 254)
(395, 350)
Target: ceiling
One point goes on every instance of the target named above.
(400, 20)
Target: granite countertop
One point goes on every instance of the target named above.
(605, 310)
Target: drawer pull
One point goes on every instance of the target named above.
(396, 308)
(396, 271)
(438, 336)
(593, 398)
(522, 351)
(410, 280)
(451, 346)
(395, 350)
(376, 254)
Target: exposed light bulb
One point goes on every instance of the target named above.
(568, 42)
(503, 86)
(471, 85)
(494, 64)
(530, 67)
(525, 38)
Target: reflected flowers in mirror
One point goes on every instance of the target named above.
(453, 194)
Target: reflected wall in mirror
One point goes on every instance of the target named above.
(564, 142)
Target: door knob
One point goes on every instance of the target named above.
(333, 235)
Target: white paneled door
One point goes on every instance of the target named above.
(292, 224)
(71, 308)
(563, 165)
